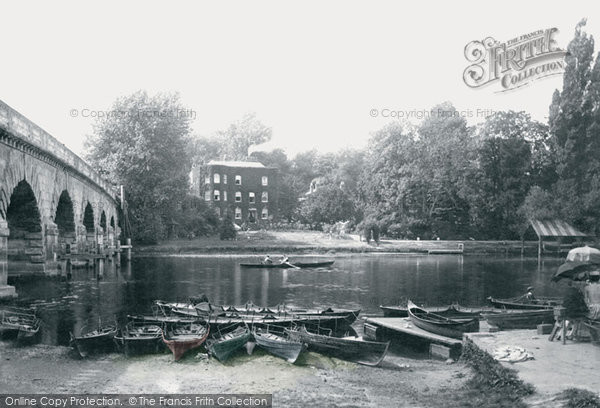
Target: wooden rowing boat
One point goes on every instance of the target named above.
(453, 311)
(441, 325)
(288, 265)
(94, 340)
(251, 311)
(223, 345)
(139, 338)
(278, 345)
(18, 321)
(348, 348)
(182, 338)
(519, 319)
(520, 303)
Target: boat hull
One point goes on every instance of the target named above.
(441, 325)
(530, 305)
(179, 345)
(288, 266)
(223, 348)
(18, 323)
(95, 343)
(519, 319)
(353, 349)
(452, 311)
(140, 339)
(253, 313)
(281, 347)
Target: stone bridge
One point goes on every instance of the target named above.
(53, 205)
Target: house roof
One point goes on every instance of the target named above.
(236, 164)
(555, 228)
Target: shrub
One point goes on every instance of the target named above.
(226, 229)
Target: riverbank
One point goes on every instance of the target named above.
(314, 242)
(313, 380)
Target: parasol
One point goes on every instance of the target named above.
(580, 262)
(584, 254)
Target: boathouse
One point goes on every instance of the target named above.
(557, 235)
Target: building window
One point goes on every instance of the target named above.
(207, 179)
(238, 196)
(251, 198)
(224, 195)
(217, 195)
(265, 197)
(218, 212)
(216, 178)
(265, 181)
(224, 178)
(265, 213)
(238, 213)
(238, 180)
(207, 195)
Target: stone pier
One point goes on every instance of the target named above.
(6, 291)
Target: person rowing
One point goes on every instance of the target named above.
(267, 260)
(286, 261)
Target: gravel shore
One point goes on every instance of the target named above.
(313, 380)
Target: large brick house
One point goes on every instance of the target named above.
(247, 191)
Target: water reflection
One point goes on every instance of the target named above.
(361, 281)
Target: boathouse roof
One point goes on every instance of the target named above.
(555, 228)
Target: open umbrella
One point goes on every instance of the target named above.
(577, 271)
(584, 254)
(580, 262)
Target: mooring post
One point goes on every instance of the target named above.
(128, 249)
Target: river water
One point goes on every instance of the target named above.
(354, 281)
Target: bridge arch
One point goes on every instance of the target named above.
(64, 218)
(25, 245)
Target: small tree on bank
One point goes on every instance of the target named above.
(226, 229)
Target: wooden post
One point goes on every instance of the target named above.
(128, 249)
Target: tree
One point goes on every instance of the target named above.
(502, 179)
(574, 124)
(226, 228)
(329, 204)
(446, 157)
(242, 134)
(145, 148)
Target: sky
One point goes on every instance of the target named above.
(313, 71)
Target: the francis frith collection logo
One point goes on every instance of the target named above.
(514, 63)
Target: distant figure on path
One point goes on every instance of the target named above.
(591, 294)
(267, 260)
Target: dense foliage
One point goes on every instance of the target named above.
(441, 178)
(145, 147)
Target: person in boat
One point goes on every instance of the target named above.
(267, 260)
(285, 260)
(528, 297)
(591, 294)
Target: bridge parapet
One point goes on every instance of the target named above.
(23, 128)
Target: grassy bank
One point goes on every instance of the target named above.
(300, 242)
(490, 384)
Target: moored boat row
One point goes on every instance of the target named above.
(454, 320)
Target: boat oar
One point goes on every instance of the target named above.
(290, 265)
